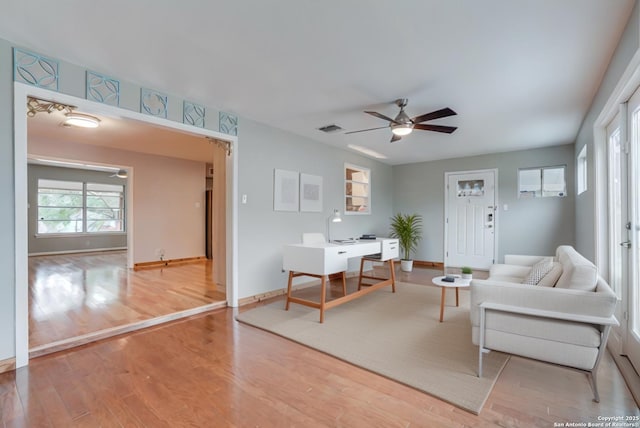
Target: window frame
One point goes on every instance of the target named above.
(84, 209)
(582, 184)
(524, 195)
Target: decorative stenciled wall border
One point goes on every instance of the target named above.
(35, 69)
(153, 102)
(103, 89)
(228, 123)
(193, 114)
(41, 71)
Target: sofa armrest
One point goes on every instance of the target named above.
(522, 260)
(587, 319)
(599, 303)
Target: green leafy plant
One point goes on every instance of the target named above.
(407, 228)
(466, 270)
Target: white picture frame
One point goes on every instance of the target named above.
(286, 188)
(310, 193)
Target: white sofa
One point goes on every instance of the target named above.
(563, 319)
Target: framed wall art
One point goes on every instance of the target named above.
(285, 190)
(310, 193)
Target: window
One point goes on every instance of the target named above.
(104, 207)
(59, 206)
(68, 207)
(542, 182)
(357, 190)
(581, 170)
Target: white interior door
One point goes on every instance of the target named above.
(470, 219)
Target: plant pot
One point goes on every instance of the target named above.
(406, 265)
(466, 276)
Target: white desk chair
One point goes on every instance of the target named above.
(313, 238)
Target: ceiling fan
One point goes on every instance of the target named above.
(403, 125)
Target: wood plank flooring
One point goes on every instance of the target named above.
(76, 294)
(211, 371)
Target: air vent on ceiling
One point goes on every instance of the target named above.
(330, 128)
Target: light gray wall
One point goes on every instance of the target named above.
(585, 202)
(530, 226)
(263, 231)
(44, 244)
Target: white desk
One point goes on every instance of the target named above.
(320, 260)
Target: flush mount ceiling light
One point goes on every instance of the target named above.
(81, 120)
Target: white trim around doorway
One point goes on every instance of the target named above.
(21, 92)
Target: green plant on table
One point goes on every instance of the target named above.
(466, 270)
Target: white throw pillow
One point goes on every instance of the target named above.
(550, 279)
(538, 271)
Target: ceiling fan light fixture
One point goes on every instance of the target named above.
(402, 129)
(81, 120)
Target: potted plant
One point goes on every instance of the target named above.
(466, 271)
(407, 228)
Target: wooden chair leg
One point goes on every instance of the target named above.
(392, 268)
(360, 277)
(289, 290)
(344, 283)
(323, 297)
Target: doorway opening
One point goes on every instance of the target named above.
(139, 250)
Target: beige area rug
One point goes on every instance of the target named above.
(396, 335)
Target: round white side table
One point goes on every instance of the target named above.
(458, 283)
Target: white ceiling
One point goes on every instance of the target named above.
(520, 74)
(121, 134)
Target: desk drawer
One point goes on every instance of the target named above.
(316, 260)
(390, 249)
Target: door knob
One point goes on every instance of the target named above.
(626, 244)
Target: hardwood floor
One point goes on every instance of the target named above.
(77, 294)
(211, 371)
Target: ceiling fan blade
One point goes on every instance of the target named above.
(445, 112)
(436, 128)
(395, 138)
(364, 130)
(380, 116)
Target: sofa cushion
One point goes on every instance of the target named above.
(555, 330)
(500, 271)
(538, 271)
(578, 273)
(550, 279)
